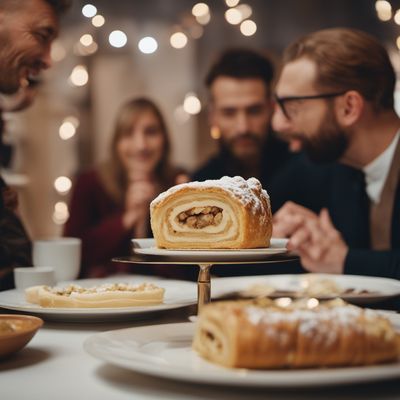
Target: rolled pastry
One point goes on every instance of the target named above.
(102, 296)
(229, 213)
(245, 335)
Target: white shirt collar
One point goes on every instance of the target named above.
(377, 171)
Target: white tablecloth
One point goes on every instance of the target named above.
(55, 366)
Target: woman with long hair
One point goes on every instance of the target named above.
(110, 204)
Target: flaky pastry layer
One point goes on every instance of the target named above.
(244, 335)
(103, 296)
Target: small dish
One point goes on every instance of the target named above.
(16, 331)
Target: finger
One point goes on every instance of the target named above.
(298, 239)
(325, 220)
(289, 224)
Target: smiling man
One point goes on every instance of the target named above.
(240, 111)
(27, 29)
(341, 111)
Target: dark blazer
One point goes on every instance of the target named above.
(341, 189)
(15, 245)
(275, 155)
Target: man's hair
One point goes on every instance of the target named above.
(59, 6)
(241, 64)
(348, 59)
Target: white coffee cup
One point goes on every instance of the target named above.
(62, 254)
(25, 277)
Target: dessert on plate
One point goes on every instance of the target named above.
(101, 296)
(229, 213)
(265, 334)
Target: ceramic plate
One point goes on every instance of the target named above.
(366, 289)
(177, 294)
(147, 247)
(165, 351)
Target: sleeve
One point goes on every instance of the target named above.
(102, 235)
(373, 263)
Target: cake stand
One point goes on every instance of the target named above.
(146, 252)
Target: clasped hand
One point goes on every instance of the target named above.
(313, 237)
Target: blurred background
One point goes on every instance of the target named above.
(109, 51)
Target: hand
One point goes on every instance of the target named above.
(140, 194)
(320, 246)
(289, 218)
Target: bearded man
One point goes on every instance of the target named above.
(334, 100)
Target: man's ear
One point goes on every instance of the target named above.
(349, 108)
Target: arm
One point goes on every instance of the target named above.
(373, 263)
(96, 220)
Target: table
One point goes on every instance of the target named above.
(55, 366)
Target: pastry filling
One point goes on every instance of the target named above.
(200, 217)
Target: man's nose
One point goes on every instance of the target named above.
(46, 60)
(280, 123)
(242, 123)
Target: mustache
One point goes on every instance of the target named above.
(287, 137)
(247, 136)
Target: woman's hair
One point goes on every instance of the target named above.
(112, 172)
(348, 59)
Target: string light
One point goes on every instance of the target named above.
(204, 19)
(233, 16)
(200, 10)
(398, 42)
(248, 27)
(397, 17)
(86, 40)
(178, 40)
(98, 21)
(384, 10)
(89, 10)
(117, 39)
(245, 11)
(61, 213)
(73, 120)
(67, 130)
(232, 3)
(79, 76)
(192, 104)
(148, 45)
(63, 184)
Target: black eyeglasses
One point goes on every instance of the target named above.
(282, 100)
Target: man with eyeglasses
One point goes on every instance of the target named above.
(334, 100)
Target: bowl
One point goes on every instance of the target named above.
(16, 331)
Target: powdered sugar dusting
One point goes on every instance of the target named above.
(311, 323)
(250, 193)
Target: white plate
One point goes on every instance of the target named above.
(380, 288)
(148, 247)
(165, 351)
(177, 294)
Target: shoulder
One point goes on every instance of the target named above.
(88, 180)
(214, 168)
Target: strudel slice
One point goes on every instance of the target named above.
(246, 335)
(229, 213)
(102, 296)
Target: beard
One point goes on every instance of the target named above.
(329, 143)
(232, 146)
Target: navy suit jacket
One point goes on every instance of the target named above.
(341, 189)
